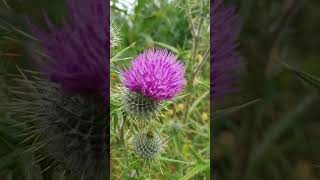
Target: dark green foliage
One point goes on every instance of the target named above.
(153, 21)
(72, 128)
(277, 136)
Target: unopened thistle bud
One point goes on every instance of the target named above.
(147, 146)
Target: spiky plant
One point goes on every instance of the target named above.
(152, 81)
(75, 54)
(154, 77)
(64, 106)
(147, 145)
(72, 129)
(140, 106)
(115, 35)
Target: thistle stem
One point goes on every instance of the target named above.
(121, 130)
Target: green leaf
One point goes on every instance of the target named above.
(196, 156)
(9, 133)
(310, 79)
(120, 53)
(196, 102)
(194, 171)
(174, 160)
(276, 130)
(173, 49)
(235, 108)
(9, 159)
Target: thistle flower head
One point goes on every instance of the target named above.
(225, 59)
(156, 74)
(147, 145)
(76, 55)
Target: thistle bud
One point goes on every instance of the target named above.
(147, 145)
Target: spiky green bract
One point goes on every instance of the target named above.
(139, 106)
(72, 129)
(115, 35)
(147, 146)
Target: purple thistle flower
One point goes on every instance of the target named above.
(156, 74)
(225, 59)
(77, 55)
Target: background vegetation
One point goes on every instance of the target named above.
(276, 136)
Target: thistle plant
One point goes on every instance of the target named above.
(149, 93)
(154, 76)
(74, 55)
(140, 107)
(72, 128)
(152, 80)
(147, 145)
(64, 105)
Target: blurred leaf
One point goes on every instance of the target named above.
(235, 108)
(196, 156)
(310, 79)
(194, 171)
(174, 160)
(9, 133)
(196, 102)
(7, 160)
(120, 53)
(276, 130)
(171, 48)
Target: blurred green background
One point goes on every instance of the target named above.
(275, 134)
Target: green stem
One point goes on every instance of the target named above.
(121, 130)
